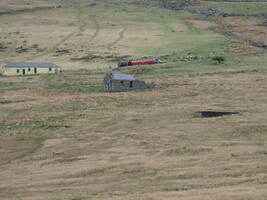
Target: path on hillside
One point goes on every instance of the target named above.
(120, 37)
(57, 45)
(97, 29)
(82, 28)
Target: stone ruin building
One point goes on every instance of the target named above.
(115, 82)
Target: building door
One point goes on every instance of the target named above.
(23, 71)
(35, 70)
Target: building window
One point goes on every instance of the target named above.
(29, 69)
(131, 84)
(50, 69)
(18, 70)
(122, 82)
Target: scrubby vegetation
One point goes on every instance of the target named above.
(218, 59)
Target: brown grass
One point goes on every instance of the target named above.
(60, 143)
(200, 24)
(13, 5)
(142, 145)
(248, 27)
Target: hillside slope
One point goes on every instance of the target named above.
(62, 137)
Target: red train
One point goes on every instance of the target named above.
(134, 63)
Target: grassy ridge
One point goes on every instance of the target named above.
(240, 8)
(105, 31)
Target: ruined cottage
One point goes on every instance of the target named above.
(114, 82)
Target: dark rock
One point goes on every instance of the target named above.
(21, 49)
(34, 46)
(91, 5)
(233, 15)
(178, 5)
(206, 13)
(205, 114)
(263, 24)
(2, 47)
(84, 70)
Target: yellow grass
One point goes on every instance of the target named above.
(144, 145)
(99, 30)
(11, 5)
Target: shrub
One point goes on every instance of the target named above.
(218, 59)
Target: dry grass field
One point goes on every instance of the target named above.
(97, 35)
(69, 143)
(15, 5)
(63, 138)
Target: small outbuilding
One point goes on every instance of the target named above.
(29, 68)
(115, 82)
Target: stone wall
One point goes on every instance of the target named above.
(239, 1)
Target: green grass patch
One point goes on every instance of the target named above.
(179, 68)
(5, 101)
(240, 8)
(47, 124)
(75, 106)
(41, 124)
(186, 150)
(11, 86)
(136, 121)
(65, 117)
(5, 127)
(77, 88)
